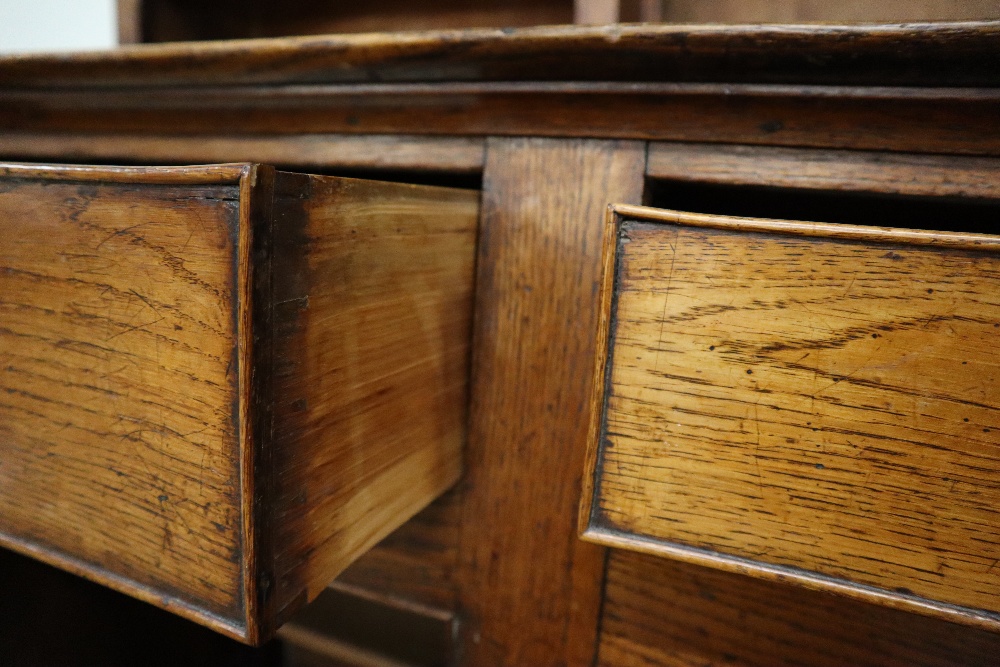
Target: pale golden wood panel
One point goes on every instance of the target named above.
(371, 358)
(820, 397)
(417, 562)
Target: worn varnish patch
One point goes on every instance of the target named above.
(817, 403)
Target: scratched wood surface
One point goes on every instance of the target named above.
(118, 440)
(910, 88)
(819, 397)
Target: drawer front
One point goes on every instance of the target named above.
(809, 402)
(119, 445)
(221, 385)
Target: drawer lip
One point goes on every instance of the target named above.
(186, 175)
(595, 533)
(617, 213)
(592, 526)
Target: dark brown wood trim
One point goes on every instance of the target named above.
(461, 155)
(897, 119)
(256, 397)
(924, 54)
(842, 170)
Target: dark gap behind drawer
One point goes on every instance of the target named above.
(980, 216)
(351, 626)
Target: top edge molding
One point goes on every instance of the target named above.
(957, 54)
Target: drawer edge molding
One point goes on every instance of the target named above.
(608, 537)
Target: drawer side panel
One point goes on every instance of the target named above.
(373, 288)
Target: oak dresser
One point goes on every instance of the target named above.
(642, 345)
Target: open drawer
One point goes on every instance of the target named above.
(814, 403)
(220, 385)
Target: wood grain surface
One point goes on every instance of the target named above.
(500, 550)
(418, 562)
(820, 397)
(530, 591)
(223, 384)
(922, 87)
(664, 612)
(916, 54)
(462, 155)
(373, 321)
(120, 454)
(935, 120)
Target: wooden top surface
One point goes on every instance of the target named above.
(931, 54)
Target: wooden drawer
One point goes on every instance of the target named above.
(222, 384)
(814, 403)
